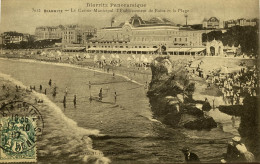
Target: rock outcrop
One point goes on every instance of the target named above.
(249, 126)
(170, 95)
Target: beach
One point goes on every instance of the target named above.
(131, 132)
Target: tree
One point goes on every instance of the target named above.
(245, 36)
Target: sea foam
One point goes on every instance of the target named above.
(62, 138)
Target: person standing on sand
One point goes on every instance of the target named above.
(40, 88)
(50, 83)
(64, 101)
(45, 92)
(100, 94)
(75, 100)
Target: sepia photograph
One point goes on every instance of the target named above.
(129, 82)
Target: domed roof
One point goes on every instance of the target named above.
(136, 20)
(213, 19)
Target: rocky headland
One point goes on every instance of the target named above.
(170, 94)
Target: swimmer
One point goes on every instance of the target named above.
(75, 100)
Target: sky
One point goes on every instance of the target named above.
(25, 15)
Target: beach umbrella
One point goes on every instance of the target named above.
(137, 59)
(133, 56)
(117, 56)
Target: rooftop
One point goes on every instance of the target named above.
(137, 21)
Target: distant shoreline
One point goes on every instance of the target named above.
(76, 65)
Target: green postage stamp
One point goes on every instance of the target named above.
(18, 138)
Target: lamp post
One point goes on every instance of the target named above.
(186, 16)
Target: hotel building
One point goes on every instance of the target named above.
(76, 36)
(48, 32)
(12, 37)
(241, 22)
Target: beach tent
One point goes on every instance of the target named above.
(150, 59)
(50, 55)
(87, 56)
(128, 59)
(43, 53)
(103, 57)
(112, 56)
(145, 60)
(58, 53)
(95, 58)
(142, 58)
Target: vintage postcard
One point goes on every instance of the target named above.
(138, 81)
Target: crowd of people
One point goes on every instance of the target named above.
(233, 85)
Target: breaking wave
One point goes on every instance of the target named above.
(62, 139)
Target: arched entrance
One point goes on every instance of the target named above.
(214, 48)
(163, 50)
(212, 51)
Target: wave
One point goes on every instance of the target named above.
(62, 137)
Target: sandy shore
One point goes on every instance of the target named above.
(139, 75)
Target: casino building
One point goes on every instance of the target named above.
(157, 35)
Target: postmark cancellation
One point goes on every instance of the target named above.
(20, 124)
(18, 138)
